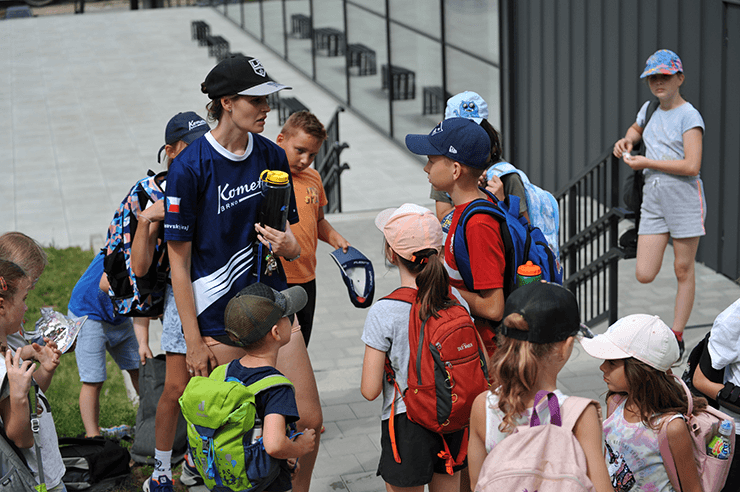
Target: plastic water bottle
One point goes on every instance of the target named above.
(527, 274)
(276, 191)
(719, 446)
(256, 430)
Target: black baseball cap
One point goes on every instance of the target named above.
(251, 314)
(187, 126)
(550, 310)
(239, 74)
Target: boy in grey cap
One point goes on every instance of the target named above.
(261, 318)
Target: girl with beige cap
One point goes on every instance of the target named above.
(638, 352)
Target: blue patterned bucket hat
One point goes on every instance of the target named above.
(662, 61)
(468, 105)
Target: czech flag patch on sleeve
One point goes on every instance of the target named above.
(173, 204)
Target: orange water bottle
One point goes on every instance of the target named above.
(528, 273)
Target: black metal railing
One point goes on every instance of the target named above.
(329, 166)
(589, 248)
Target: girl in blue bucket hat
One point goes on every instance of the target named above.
(673, 203)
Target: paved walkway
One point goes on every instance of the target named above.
(87, 98)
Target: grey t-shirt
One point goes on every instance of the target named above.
(387, 329)
(663, 135)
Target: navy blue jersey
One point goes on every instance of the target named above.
(213, 200)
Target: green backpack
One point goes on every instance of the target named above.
(220, 415)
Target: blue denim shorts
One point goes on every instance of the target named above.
(97, 337)
(173, 339)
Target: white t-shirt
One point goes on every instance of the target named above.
(724, 349)
(494, 417)
(47, 440)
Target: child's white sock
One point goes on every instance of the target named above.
(162, 464)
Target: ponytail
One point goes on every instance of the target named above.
(432, 281)
(514, 370)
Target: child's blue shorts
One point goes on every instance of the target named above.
(97, 337)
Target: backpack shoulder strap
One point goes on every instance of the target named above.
(481, 205)
(219, 373)
(650, 110)
(269, 382)
(613, 402)
(503, 168)
(403, 294)
(573, 407)
(665, 451)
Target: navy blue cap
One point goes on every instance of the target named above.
(358, 275)
(460, 139)
(187, 126)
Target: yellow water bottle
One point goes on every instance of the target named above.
(276, 192)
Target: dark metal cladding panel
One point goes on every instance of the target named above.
(729, 163)
(577, 65)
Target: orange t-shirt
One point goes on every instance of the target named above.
(309, 197)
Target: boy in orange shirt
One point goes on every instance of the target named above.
(301, 137)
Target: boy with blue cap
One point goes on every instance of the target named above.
(458, 152)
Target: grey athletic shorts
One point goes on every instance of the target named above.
(673, 204)
(173, 339)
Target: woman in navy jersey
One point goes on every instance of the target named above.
(212, 210)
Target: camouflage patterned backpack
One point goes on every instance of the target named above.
(132, 295)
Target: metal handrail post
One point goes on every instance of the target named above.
(614, 242)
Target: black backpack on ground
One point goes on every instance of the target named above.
(93, 464)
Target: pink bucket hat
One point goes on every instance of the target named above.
(409, 229)
(642, 336)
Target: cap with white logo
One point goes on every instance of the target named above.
(460, 139)
(239, 74)
(186, 127)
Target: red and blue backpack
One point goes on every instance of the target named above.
(522, 242)
(447, 370)
(132, 295)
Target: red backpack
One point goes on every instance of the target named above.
(447, 370)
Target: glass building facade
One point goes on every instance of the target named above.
(394, 62)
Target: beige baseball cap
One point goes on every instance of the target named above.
(642, 336)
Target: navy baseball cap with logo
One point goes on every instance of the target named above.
(187, 126)
(460, 139)
(358, 275)
(239, 74)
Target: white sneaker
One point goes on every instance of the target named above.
(190, 476)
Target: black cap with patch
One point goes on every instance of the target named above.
(239, 74)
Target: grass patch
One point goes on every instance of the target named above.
(54, 288)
